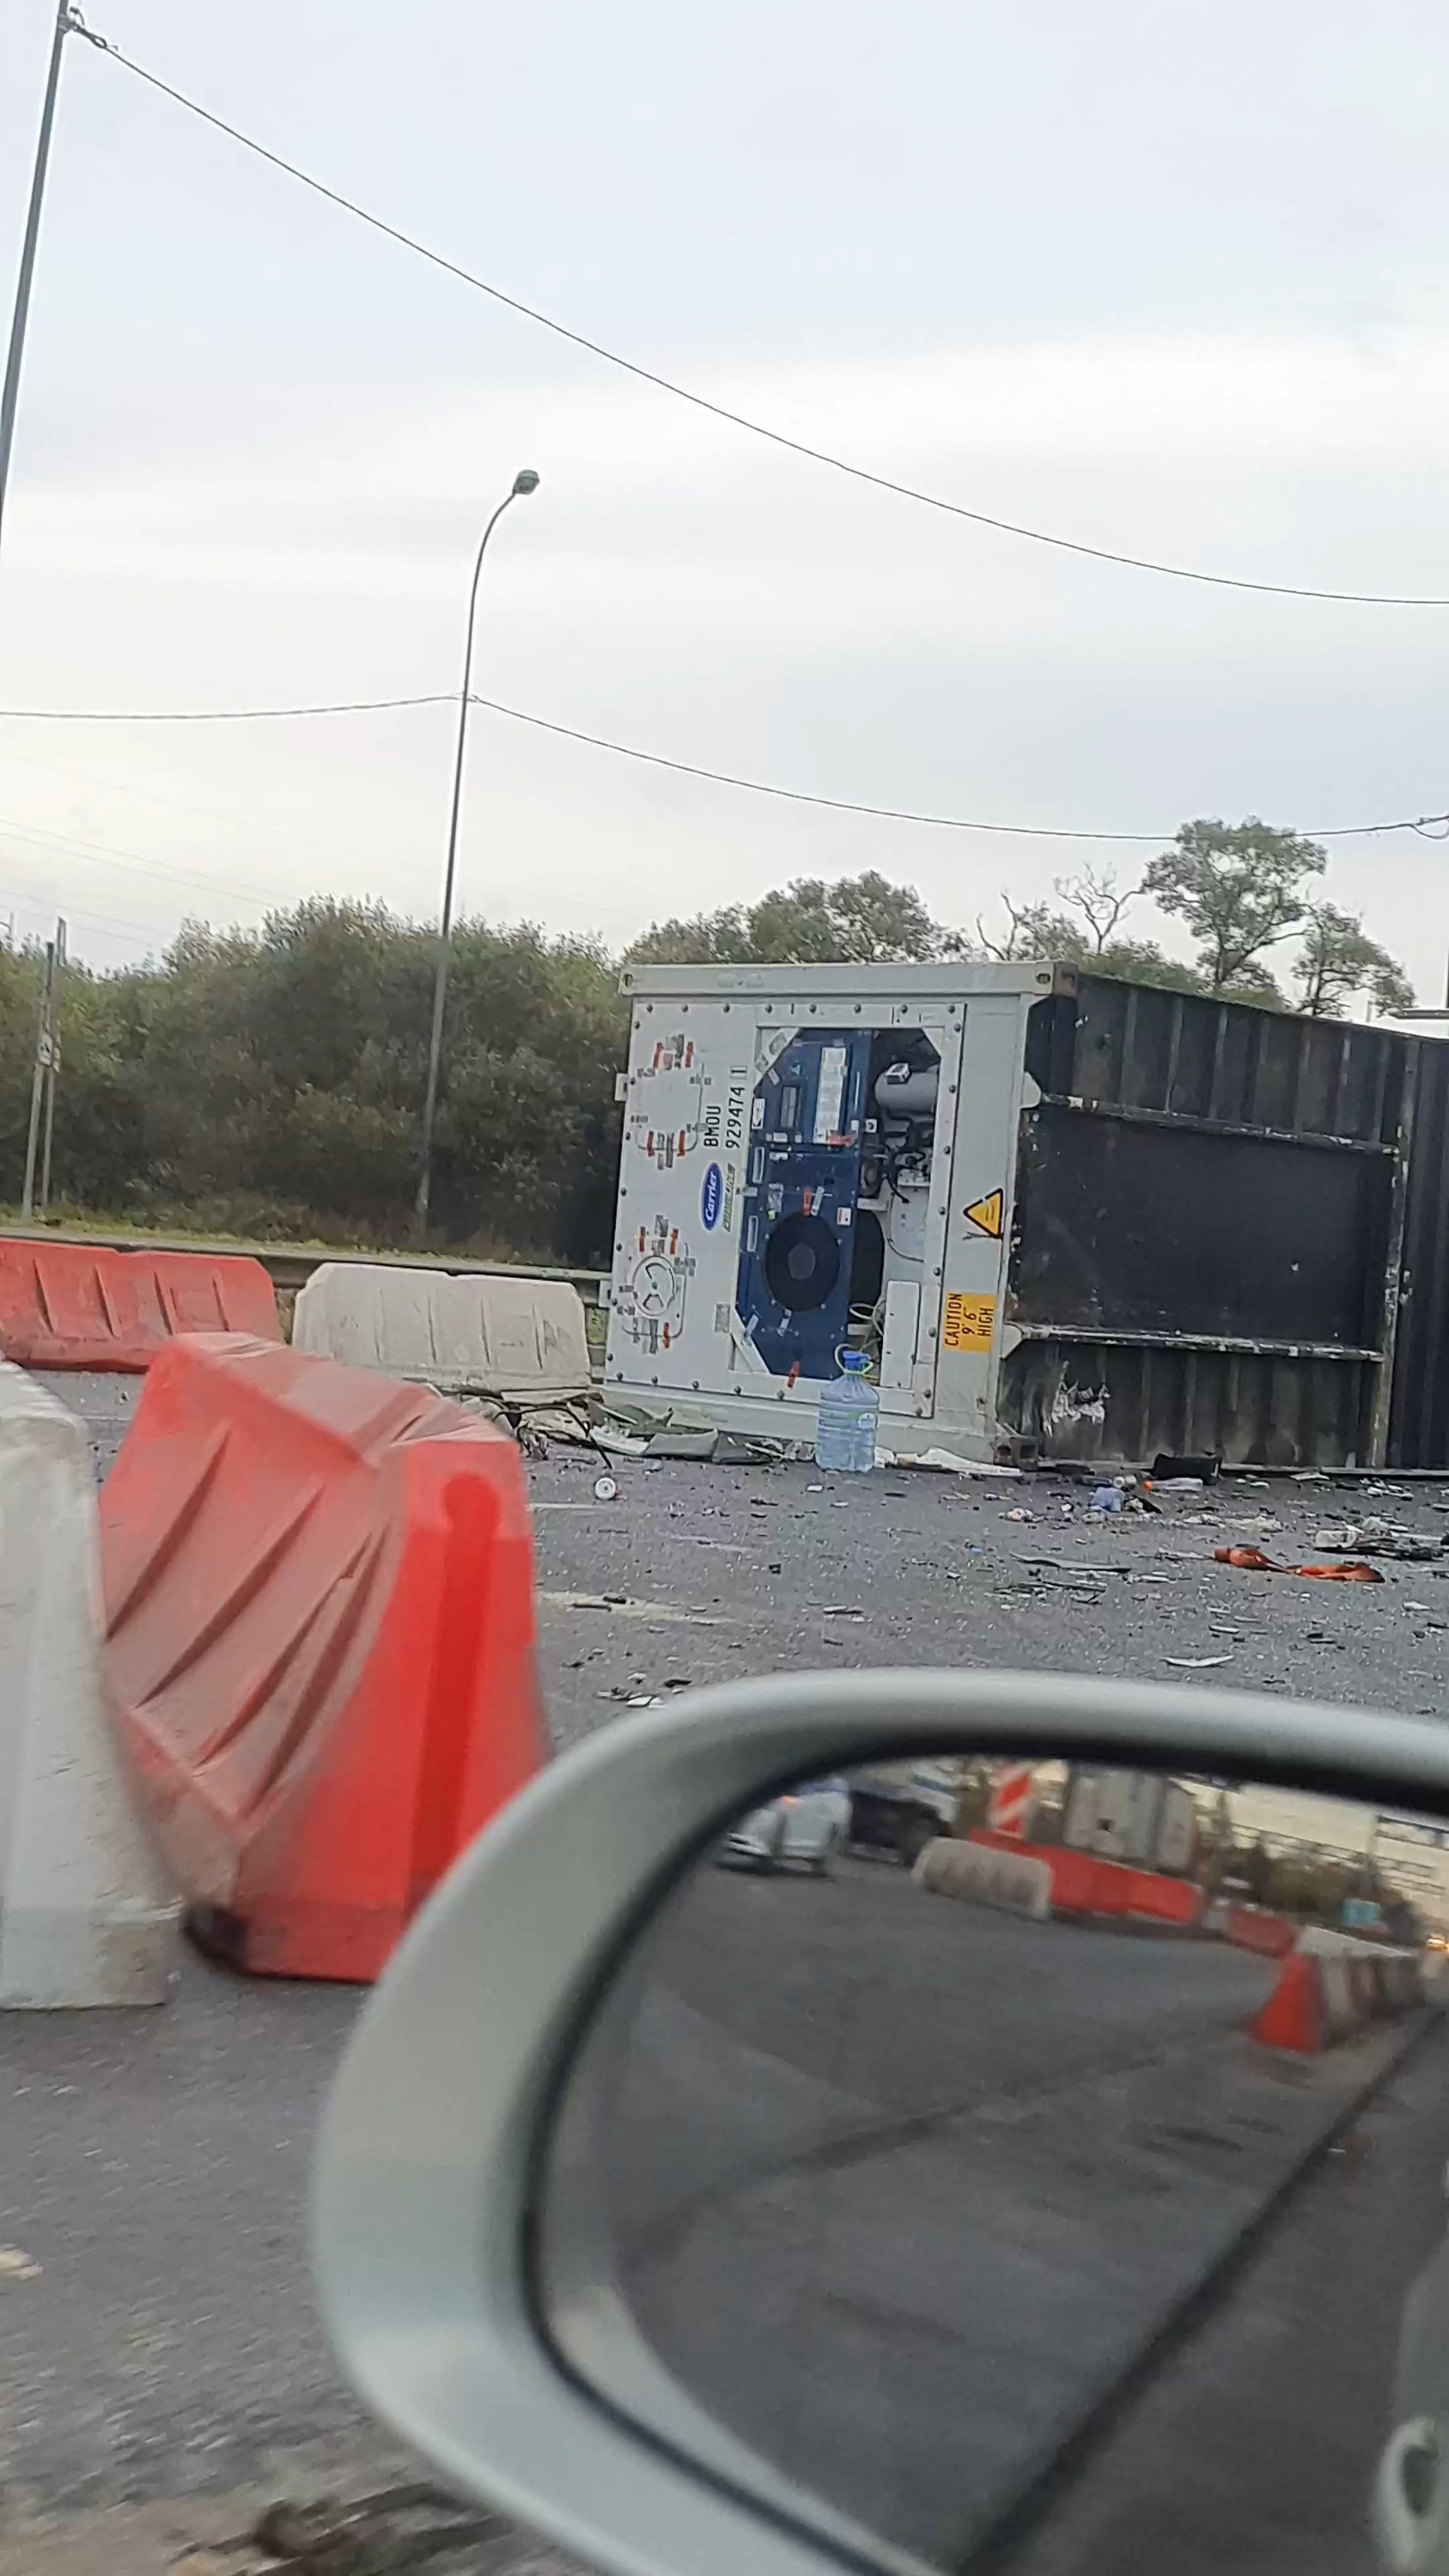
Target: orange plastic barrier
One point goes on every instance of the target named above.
(318, 1599)
(1271, 1935)
(1084, 1884)
(66, 1306)
(1334, 1991)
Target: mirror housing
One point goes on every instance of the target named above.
(430, 2150)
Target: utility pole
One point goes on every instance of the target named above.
(37, 1083)
(523, 483)
(52, 1066)
(67, 20)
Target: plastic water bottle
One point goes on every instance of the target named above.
(845, 1425)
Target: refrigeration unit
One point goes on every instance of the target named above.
(817, 1158)
(1068, 1217)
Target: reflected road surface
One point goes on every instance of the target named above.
(899, 2188)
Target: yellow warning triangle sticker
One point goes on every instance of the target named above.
(989, 1213)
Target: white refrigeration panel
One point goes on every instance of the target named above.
(816, 1157)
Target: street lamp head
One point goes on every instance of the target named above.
(527, 481)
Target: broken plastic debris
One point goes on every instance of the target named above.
(400, 2527)
(1375, 1537)
(1197, 1663)
(946, 1462)
(623, 1607)
(572, 1423)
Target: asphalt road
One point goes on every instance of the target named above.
(730, 1570)
(153, 2167)
(157, 2335)
(739, 1569)
(1254, 2444)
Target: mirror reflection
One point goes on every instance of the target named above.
(1034, 2167)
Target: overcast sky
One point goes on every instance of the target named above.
(1169, 281)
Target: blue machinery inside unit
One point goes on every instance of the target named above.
(802, 1182)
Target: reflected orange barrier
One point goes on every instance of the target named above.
(1082, 1883)
(1248, 1928)
(318, 1600)
(65, 1306)
(1333, 1987)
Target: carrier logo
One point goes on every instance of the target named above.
(711, 1196)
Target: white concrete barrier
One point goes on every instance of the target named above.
(523, 1340)
(1332, 1986)
(1362, 1981)
(86, 1914)
(983, 1876)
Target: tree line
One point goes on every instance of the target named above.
(268, 1083)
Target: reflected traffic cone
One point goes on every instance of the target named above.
(1292, 2017)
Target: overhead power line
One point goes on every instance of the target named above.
(741, 420)
(1426, 823)
(220, 715)
(905, 814)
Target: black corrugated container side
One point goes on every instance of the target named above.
(1211, 1204)
(1419, 1413)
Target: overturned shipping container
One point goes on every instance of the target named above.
(1070, 1217)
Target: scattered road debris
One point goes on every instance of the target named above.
(1196, 1663)
(1376, 1537)
(622, 1607)
(398, 2529)
(1081, 1565)
(16, 2265)
(605, 1489)
(947, 1462)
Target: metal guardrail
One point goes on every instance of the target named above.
(289, 1269)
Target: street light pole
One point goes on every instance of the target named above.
(523, 484)
(67, 18)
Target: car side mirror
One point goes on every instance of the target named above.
(922, 2121)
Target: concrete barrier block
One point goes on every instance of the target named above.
(980, 1876)
(87, 1915)
(523, 1340)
